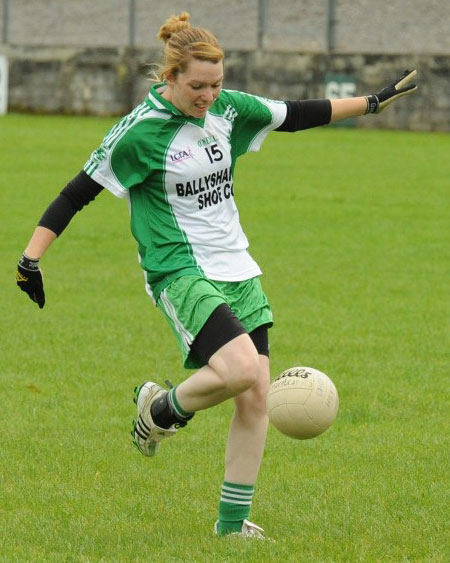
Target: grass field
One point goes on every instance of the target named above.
(352, 230)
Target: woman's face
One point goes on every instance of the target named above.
(194, 91)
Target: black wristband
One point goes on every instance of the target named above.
(27, 263)
(373, 104)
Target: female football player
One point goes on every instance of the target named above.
(173, 158)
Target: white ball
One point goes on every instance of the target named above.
(302, 402)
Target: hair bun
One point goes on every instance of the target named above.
(174, 25)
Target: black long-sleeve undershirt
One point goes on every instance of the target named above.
(79, 192)
(304, 114)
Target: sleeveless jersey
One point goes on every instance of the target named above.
(177, 172)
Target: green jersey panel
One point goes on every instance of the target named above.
(253, 118)
(122, 160)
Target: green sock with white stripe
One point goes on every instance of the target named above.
(234, 507)
(167, 411)
(177, 408)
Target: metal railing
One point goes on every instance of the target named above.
(5, 21)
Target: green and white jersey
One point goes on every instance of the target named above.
(177, 172)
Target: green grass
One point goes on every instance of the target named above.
(352, 230)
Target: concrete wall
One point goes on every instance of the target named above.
(295, 26)
(401, 26)
(384, 26)
(74, 56)
(105, 23)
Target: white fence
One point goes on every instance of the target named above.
(3, 84)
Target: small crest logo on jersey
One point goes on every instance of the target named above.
(230, 113)
(182, 155)
(99, 154)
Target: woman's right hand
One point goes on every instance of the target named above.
(29, 279)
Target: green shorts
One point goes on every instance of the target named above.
(188, 302)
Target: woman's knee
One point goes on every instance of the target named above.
(253, 400)
(237, 363)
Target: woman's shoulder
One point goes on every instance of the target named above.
(141, 125)
(243, 102)
(230, 99)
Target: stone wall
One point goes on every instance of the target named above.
(111, 81)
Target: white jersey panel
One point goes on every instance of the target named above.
(199, 187)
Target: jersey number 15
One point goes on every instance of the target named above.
(214, 153)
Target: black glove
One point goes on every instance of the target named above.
(401, 87)
(29, 279)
